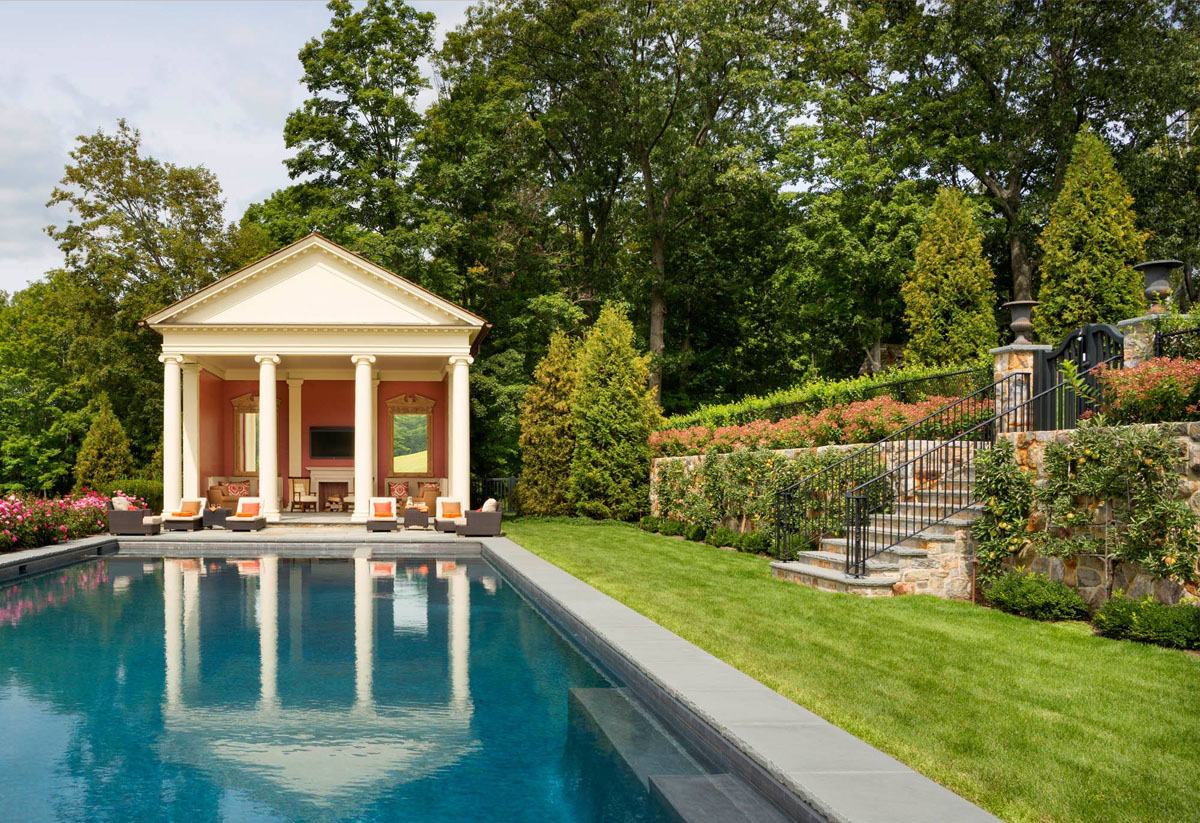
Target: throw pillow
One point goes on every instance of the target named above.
(237, 488)
(451, 509)
(249, 510)
(383, 510)
(190, 507)
(120, 504)
(490, 505)
(398, 488)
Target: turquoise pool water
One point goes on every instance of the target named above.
(302, 690)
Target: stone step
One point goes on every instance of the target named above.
(965, 510)
(898, 524)
(961, 496)
(836, 561)
(711, 798)
(828, 580)
(900, 555)
(917, 543)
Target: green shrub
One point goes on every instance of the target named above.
(1088, 245)
(612, 415)
(547, 442)
(151, 491)
(722, 536)
(1147, 621)
(649, 523)
(1007, 495)
(755, 543)
(671, 527)
(104, 455)
(949, 300)
(695, 532)
(1036, 596)
(1155, 390)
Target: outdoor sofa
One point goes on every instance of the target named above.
(123, 520)
(482, 523)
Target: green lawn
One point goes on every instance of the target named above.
(1033, 721)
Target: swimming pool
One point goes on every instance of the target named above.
(319, 690)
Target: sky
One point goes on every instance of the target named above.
(206, 83)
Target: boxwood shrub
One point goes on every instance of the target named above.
(650, 523)
(695, 532)
(722, 536)
(1036, 596)
(1148, 621)
(671, 527)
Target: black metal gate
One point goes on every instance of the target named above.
(1085, 347)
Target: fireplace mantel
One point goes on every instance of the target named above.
(332, 474)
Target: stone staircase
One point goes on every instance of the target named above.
(931, 561)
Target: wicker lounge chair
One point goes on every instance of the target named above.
(376, 520)
(482, 523)
(188, 516)
(444, 521)
(126, 521)
(248, 517)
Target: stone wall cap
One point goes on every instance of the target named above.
(1145, 318)
(1021, 347)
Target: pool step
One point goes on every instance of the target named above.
(711, 798)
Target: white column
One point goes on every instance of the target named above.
(446, 412)
(458, 592)
(460, 429)
(363, 375)
(268, 630)
(294, 444)
(375, 436)
(172, 634)
(172, 432)
(191, 430)
(268, 437)
(191, 622)
(364, 633)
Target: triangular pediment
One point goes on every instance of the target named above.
(314, 282)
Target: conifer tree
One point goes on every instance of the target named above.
(612, 416)
(949, 297)
(104, 456)
(1089, 247)
(547, 442)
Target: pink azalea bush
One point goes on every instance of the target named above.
(865, 421)
(27, 522)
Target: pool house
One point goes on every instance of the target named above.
(310, 377)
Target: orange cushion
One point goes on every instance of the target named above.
(249, 510)
(190, 507)
(383, 509)
(452, 510)
(183, 514)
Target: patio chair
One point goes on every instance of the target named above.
(188, 516)
(248, 517)
(482, 523)
(301, 494)
(448, 514)
(122, 520)
(381, 514)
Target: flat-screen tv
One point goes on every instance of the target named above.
(331, 442)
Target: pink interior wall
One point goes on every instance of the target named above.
(323, 403)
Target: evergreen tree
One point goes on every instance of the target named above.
(612, 415)
(1088, 247)
(949, 298)
(547, 441)
(104, 456)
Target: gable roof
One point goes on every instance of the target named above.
(382, 297)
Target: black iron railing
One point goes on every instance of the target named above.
(946, 384)
(501, 488)
(937, 484)
(1184, 343)
(814, 508)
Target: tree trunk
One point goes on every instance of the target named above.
(658, 311)
(1022, 269)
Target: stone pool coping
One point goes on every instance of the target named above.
(812, 769)
(808, 767)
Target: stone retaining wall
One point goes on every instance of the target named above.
(1085, 572)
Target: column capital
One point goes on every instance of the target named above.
(293, 382)
(465, 359)
(359, 359)
(273, 359)
(191, 367)
(177, 359)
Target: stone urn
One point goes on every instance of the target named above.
(1022, 322)
(1158, 281)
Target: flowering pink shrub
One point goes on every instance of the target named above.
(863, 422)
(1156, 390)
(27, 522)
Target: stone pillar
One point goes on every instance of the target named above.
(363, 375)
(1014, 366)
(191, 430)
(172, 432)
(1139, 337)
(460, 429)
(268, 437)
(295, 445)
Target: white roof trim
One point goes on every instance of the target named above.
(307, 245)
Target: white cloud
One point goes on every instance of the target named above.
(205, 83)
